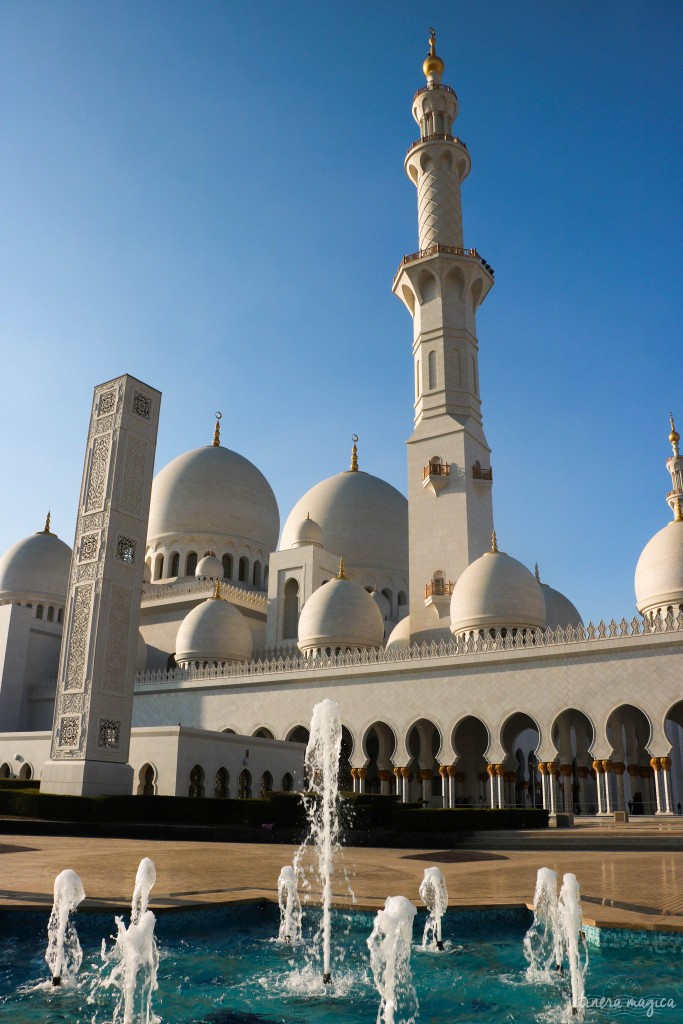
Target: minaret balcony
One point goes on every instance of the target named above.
(449, 250)
(435, 476)
(437, 137)
(438, 594)
(434, 86)
(484, 474)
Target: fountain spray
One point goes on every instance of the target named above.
(64, 954)
(290, 906)
(389, 946)
(434, 895)
(571, 916)
(322, 767)
(543, 944)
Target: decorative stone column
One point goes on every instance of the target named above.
(553, 776)
(607, 767)
(362, 774)
(659, 794)
(500, 785)
(599, 783)
(582, 772)
(491, 772)
(619, 769)
(425, 777)
(665, 781)
(399, 784)
(384, 780)
(406, 779)
(544, 785)
(443, 772)
(94, 700)
(567, 773)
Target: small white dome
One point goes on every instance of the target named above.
(497, 592)
(400, 634)
(340, 614)
(362, 518)
(659, 573)
(559, 611)
(209, 568)
(213, 491)
(36, 568)
(214, 631)
(141, 654)
(307, 532)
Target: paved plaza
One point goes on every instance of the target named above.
(635, 887)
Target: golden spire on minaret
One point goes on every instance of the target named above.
(340, 574)
(217, 591)
(674, 436)
(537, 573)
(47, 524)
(433, 64)
(354, 454)
(217, 430)
(678, 511)
(494, 544)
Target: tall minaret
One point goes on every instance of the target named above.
(675, 466)
(442, 285)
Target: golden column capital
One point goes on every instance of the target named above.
(654, 764)
(425, 774)
(607, 765)
(566, 770)
(597, 767)
(443, 771)
(633, 770)
(384, 775)
(582, 772)
(619, 767)
(491, 769)
(665, 763)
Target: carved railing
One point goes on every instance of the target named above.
(481, 473)
(436, 469)
(434, 87)
(162, 591)
(452, 250)
(437, 137)
(280, 662)
(438, 588)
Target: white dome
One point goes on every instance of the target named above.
(340, 614)
(307, 532)
(213, 491)
(209, 568)
(496, 592)
(559, 611)
(659, 573)
(214, 631)
(400, 634)
(36, 568)
(362, 518)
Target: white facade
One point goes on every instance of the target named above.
(525, 704)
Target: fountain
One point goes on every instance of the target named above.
(322, 767)
(135, 957)
(434, 895)
(64, 955)
(571, 917)
(543, 947)
(290, 907)
(389, 946)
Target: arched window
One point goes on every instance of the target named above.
(5, 772)
(244, 785)
(266, 784)
(196, 782)
(432, 370)
(39, 611)
(402, 598)
(227, 567)
(287, 783)
(50, 614)
(290, 618)
(146, 785)
(256, 575)
(220, 785)
(243, 569)
(26, 772)
(191, 563)
(60, 616)
(158, 567)
(175, 564)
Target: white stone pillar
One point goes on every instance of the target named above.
(552, 786)
(619, 769)
(491, 769)
(543, 772)
(443, 772)
(609, 799)
(660, 796)
(500, 785)
(362, 776)
(665, 782)
(597, 766)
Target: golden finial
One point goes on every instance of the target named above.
(494, 544)
(354, 454)
(433, 65)
(678, 511)
(217, 591)
(340, 575)
(217, 430)
(537, 573)
(47, 524)
(674, 436)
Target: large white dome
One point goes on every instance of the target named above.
(213, 491)
(659, 573)
(497, 592)
(559, 610)
(400, 634)
(362, 518)
(340, 614)
(36, 568)
(214, 631)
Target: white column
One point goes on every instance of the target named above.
(659, 787)
(451, 787)
(609, 800)
(597, 765)
(665, 766)
(492, 786)
(443, 772)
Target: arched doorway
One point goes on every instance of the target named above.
(221, 784)
(196, 788)
(147, 780)
(244, 785)
(627, 781)
(573, 736)
(520, 737)
(470, 742)
(423, 742)
(379, 743)
(266, 785)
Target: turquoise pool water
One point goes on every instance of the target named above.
(223, 967)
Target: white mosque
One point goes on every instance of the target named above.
(461, 677)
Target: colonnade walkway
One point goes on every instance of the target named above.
(639, 887)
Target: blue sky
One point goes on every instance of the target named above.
(211, 197)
